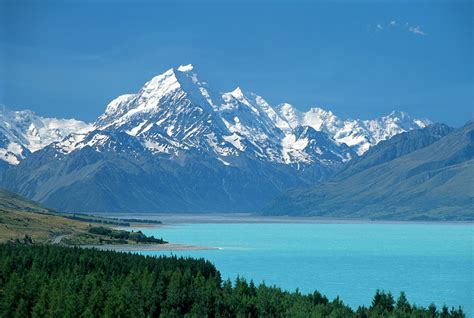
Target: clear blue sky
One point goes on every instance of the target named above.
(358, 59)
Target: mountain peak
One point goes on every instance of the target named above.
(23, 132)
(319, 110)
(285, 106)
(171, 79)
(237, 93)
(289, 114)
(398, 114)
(175, 81)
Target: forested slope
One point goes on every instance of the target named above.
(54, 281)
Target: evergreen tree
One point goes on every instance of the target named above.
(55, 281)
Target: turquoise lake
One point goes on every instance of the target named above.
(430, 262)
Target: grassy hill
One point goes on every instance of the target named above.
(431, 182)
(20, 217)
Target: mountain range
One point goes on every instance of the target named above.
(24, 132)
(425, 174)
(178, 146)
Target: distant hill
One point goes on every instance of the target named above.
(12, 201)
(20, 217)
(427, 174)
(25, 220)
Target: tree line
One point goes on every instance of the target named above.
(123, 236)
(56, 281)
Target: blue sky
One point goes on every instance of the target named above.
(358, 59)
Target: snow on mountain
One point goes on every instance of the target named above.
(23, 132)
(357, 134)
(305, 141)
(176, 112)
(290, 115)
(363, 134)
(173, 110)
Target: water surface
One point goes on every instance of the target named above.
(430, 262)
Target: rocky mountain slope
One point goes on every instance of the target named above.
(419, 175)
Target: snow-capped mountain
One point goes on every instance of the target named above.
(355, 133)
(24, 132)
(176, 111)
(177, 145)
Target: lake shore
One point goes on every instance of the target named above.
(169, 219)
(149, 247)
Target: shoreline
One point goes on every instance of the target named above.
(149, 247)
(218, 218)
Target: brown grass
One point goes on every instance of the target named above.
(42, 227)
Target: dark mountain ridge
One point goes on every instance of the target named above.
(418, 175)
(124, 176)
